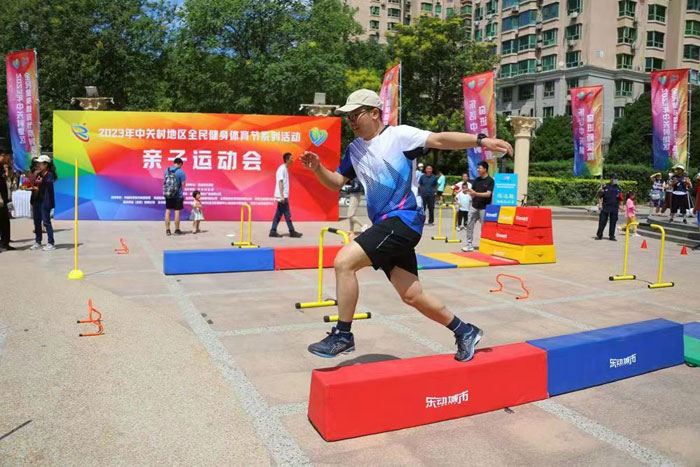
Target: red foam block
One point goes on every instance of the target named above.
(304, 257)
(533, 217)
(491, 260)
(519, 235)
(358, 400)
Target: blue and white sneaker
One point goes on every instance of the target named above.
(335, 343)
(466, 343)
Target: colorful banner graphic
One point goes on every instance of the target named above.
(480, 117)
(23, 107)
(669, 113)
(587, 119)
(230, 159)
(390, 95)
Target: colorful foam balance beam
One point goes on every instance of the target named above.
(586, 359)
(516, 234)
(458, 260)
(490, 260)
(217, 261)
(426, 262)
(691, 343)
(524, 254)
(304, 257)
(350, 401)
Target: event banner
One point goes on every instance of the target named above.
(669, 113)
(230, 159)
(23, 107)
(390, 95)
(587, 112)
(480, 117)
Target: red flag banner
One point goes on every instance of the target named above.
(390, 95)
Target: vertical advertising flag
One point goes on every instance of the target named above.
(389, 95)
(669, 113)
(23, 107)
(229, 159)
(587, 119)
(480, 116)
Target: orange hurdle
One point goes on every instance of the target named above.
(91, 319)
(522, 284)
(124, 250)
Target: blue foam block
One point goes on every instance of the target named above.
(426, 262)
(692, 330)
(219, 260)
(585, 359)
(491, 213)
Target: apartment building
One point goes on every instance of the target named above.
(379, 17)
(549, 46)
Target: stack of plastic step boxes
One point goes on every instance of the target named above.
(520, 233)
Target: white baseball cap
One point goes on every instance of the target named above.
(360, 98)
(679, 166)
(43, 158)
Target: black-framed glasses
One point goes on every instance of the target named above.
(354, 116)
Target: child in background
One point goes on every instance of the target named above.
(196, 216)
(463, 201)
(631, 213)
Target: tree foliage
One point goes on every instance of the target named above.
(554, 140)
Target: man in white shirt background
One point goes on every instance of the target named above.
(282, 196)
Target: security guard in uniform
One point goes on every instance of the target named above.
(609, 203)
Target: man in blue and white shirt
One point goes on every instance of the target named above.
(382, 159)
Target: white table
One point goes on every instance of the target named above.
(21, 201)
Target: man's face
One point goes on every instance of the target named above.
(428, 171)
(481, 170)
(363, 121)
(465, 178)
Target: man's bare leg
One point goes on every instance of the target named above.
(167, 219)
(411, 292)
(177, 219)
(350, 259)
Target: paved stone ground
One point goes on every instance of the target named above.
(213, 369)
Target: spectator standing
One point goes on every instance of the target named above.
(463, 201)
(282, 196)
(457, 187)
(630, 213)
(609, 203)
(4, 203)
(418, 173)
(354, 195)
(173, 192)
(197, 214)
(480, 192)
(44, 202)
(656, 196)
(668, 194)
(440, 186)
(681, 188)
(426, 189)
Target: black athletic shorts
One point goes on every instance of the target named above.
(174, 203)
(390, 243)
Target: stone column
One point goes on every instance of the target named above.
(522, 130)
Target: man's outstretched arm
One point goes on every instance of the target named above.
(331, 180)
(451, 140)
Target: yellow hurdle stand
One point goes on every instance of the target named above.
(247, 243)
(625, 276)
(439, 236)
(320, 301)
(659, 284)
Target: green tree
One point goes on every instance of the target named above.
(630, 139)
(119, 46)
(554, 140)
(435, 56)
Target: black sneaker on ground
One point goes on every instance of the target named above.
(613, 239)
(598, 238)
(168, 232)
(466, 343)
(335, 343)
(275, 235)
(295, 234)
(178, 232)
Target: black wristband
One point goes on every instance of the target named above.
(480, 137)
